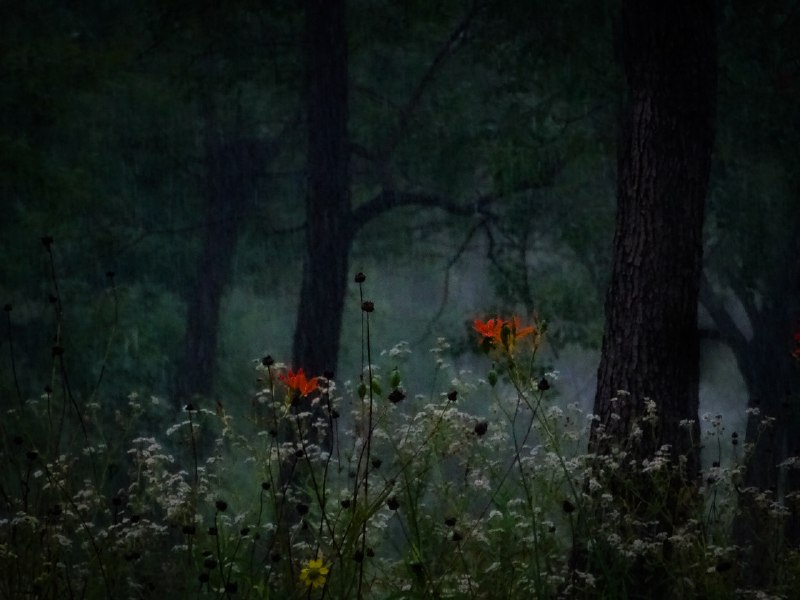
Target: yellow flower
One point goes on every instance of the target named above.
(313, 575)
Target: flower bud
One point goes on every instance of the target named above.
(394, 381)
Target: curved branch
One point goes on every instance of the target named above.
(389, 199)
(452, 43)
(446, 287)
(728, 329)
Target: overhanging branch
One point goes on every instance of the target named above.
(389, 199)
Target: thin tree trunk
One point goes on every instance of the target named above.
(230, 171)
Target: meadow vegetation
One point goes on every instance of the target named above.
(479, 487)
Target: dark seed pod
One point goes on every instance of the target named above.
(396, 396)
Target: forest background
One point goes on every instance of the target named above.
(154, 180)
(168, 146)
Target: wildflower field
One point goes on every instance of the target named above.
(481, 487)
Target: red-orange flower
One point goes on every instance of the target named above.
(518, 331)
(298, 382)
(489, 330)
(501, 332)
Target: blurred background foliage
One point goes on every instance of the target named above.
(506, 110)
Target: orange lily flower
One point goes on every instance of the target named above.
(489, 330)
(501, 332)
(298, 382)
(519, 331)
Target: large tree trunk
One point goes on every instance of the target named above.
(650, 347)
(329, 231)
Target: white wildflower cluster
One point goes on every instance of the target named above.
(467, 490)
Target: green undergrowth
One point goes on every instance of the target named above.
(481, 487)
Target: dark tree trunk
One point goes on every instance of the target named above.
(773, 430)
(650, 347)
(230, 170)
(329, 231)
(772, 383)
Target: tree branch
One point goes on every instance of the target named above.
(446, 286)
(451, 44)
(389, 199)
(728, 329)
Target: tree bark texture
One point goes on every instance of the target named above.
(650, 348)
(329, 232)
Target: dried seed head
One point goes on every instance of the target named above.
(396, 396)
